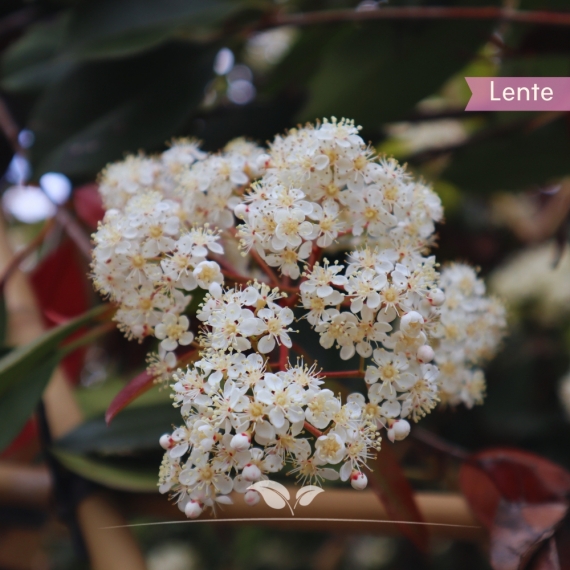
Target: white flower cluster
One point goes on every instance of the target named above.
(470, 330)
(230, 402)
(392, 304)
(151, 248)
(321, 182)
(247, 411)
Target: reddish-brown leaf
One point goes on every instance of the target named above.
(547, 558)
(61, 287)
(387, 479)
(522, 499)
(520, 529)
(481, 493)
(88, 204)
(135, 388)
(523, 476)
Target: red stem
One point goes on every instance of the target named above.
(313, 430)
(542, 17)
(344, 374)
(283, 356)
(268, 271)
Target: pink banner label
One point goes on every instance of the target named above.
(519, 94)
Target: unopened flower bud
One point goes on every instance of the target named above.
(240, 211)
(436, 297)
(251, 472)
(193, 509)
(251, 497)
(425, 354)
(263, 160)
(240, 442)
(400, 430)
(412, 323)
(165, 441)
(358, 480)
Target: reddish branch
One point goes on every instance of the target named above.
(540, 17)
(313, 430)
(344, 374)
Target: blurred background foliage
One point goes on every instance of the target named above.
(93, 80)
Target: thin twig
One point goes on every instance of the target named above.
(539, 17)
(344, 374)
(435, 442)
(268, 271)
(24, 253)
(74, 231)
(312, 429)
(10, 128)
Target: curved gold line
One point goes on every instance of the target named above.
(385, 521)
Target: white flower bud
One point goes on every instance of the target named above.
(193, 509)
(240, 442)
(400, 430)
(263, 160)
(251, 472)
(358, 480)
(425, 354)
(240, 211)
(411, 323)
(165, 441)
(436, 297)
(251, 497)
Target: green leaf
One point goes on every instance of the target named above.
(119, 27)
(514, 160)
(377, 72)
(133, 430)
(19, 401)
(109, 474)
(34, 60)
(22, 360)
(94, 400)
(104, 109)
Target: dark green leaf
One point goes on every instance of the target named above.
(118, 27)
(377, 72)
(104, 109)
(19, 401)
(133, 430)
(34, 60)
(516, 160)
(22, 360)
(107, 473)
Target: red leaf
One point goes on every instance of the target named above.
(62, 289)
(521, 498)
(88, 204)
(135, 388)
(481, 493)
(547, 557)
(520, 529)
(388, 481)
(28, 434)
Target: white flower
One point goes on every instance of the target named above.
(173, 330)
(330, 448)
(283, 397)
(322, 408)
(274, 328)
